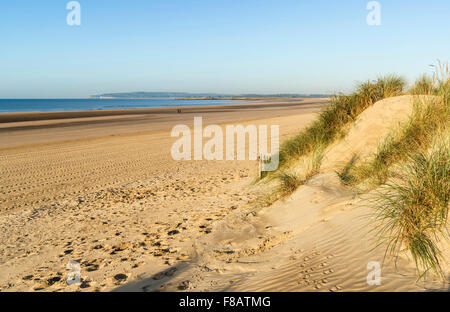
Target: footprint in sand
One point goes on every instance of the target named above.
(184, 285)
(27, 278)
(324, 264)
(335, 288)
(120, 278)
(328, 271)
(161, 275)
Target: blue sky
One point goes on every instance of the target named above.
(226, 46)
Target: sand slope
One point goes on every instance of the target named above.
(368, 130)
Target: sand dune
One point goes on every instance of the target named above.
(368, 130)
(318, 239)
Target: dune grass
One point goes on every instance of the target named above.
(415, 134)
(289, 182)
(410, 176)
(342, 110)
(310, 144)
(438, 84)
(430, 114)
(412, 209)
(345, 174)
(306, 168)
(424, 86)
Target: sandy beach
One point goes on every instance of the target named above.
(101, 188)
(225, 155)
(44, 127)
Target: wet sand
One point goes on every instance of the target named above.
(43, 127)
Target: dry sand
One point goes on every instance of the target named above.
(104, 191)
(136, 220)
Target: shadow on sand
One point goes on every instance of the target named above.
(167, 280)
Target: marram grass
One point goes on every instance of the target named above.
(414, 134)
(412, 209)
(330, 126)
(308, 167)
(429, 115)
(411, 174)
(342, 110)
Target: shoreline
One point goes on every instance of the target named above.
(7, 117)
(17, 129)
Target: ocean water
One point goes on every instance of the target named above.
(40, 105)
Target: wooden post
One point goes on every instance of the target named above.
(262, 160)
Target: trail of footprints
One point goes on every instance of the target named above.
(315, 271)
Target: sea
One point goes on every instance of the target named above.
(47, 105)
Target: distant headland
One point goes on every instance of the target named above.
(201, 96)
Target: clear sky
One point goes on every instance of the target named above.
(225, 46)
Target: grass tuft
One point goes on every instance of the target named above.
(306, 169)
(424, 86)
(413, 208)
(345, 175)
(289, 182)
